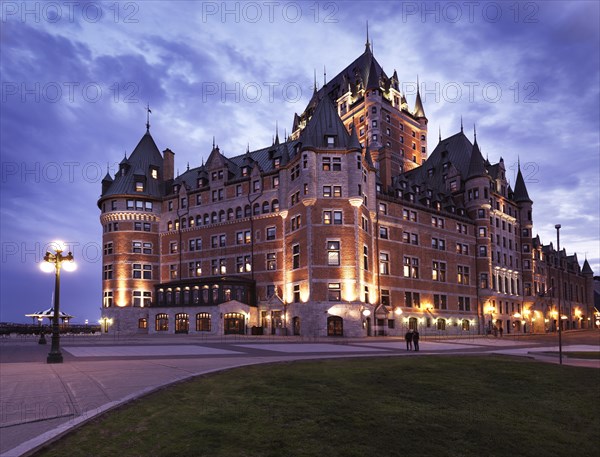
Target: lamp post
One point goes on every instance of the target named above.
(558, 320)
(105, 322)
(53, 262)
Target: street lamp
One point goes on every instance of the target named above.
(53, 262)
(558, 320)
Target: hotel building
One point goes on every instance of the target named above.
(346, 228)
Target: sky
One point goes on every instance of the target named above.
(76, 78)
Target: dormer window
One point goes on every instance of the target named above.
(154, 173)
(330, 141)
(139, 186)
(276, 163)
(245, 171)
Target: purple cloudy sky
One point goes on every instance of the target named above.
(76, 78)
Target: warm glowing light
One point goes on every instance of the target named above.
(578, 313)
(428, 306)
(70, 266)
(563, 317)
(57, 245)
(398, 311)
(366, 313)
(47, 267)
(517, 316)
(527, 311)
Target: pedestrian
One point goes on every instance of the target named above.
(501, 330)
(415, 338)
(409, 338)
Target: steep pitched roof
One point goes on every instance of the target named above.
(419, 111)
(587, 270)
(325, 122)
(145, 156)
(520, 193)
(476, 163)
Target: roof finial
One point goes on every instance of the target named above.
(367, 44)
(276, 132)
(248, 148)
(475, 133)
(188, 166)
(461, 124)
(519, 162)
(148, 111)
(440, 133)
(213, 141)
(324, 76)
(315, 81)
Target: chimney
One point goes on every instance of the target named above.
(168, 164)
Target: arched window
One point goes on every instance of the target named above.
(234, 323)
(143, 323)
(213, 217)
(183, 222)
(441, 324)
(256, 210)
(230, 214)
(265, 207)
(191, 222)
(161, 323)
(182, 323)
(275, 206)
(335, 326)
(203, 322)
(413, 323)
(222, 216)
(169, 226)
(198, 220)
(206, 219)
(247, 211)
(238, 213)
(466, 325)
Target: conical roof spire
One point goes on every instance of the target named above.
(367, 44)
(587, 270)
(418, 111)
(276, 133)
(476, 164)
(520, 192)
(148, 111)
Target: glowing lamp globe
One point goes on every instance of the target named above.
(46, 267)
(70, 266)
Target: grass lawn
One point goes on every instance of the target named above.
(392, 406)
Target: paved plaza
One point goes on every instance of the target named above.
(40, 402)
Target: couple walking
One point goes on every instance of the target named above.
(412, 339)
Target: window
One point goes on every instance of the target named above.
(439, 244)
(365, 257)
(196, 244)
(173, 272)
(385, 297)
(173, 247)
(295, 256)
(195, 269)
(326, 164)
(412, 299)
(333, 253)
(365, 224)
(108, 248)
(203, 322)
(334, 292)
(327, 191)
(139, 186)
(243, 264)
(441, 324)
(142, 271)
(411, 267)
(108, 272)
(439, 271)
(384, 263)
(463, 275)
(142, 299)
(296, 293)
(275, 182)
(409, 215)
(271, 261)
(383, 232)
(143, 322)
(161, 322)
(137, 226)
(464, 303)
(437, 222)
(482, 232)
(296, 222)
(337, 191)
(440, 301)
(383, 208)
(270, 233)
(107, 301)
(482, 251)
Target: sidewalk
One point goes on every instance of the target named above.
(40, 402)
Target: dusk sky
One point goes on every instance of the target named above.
(76, 77)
